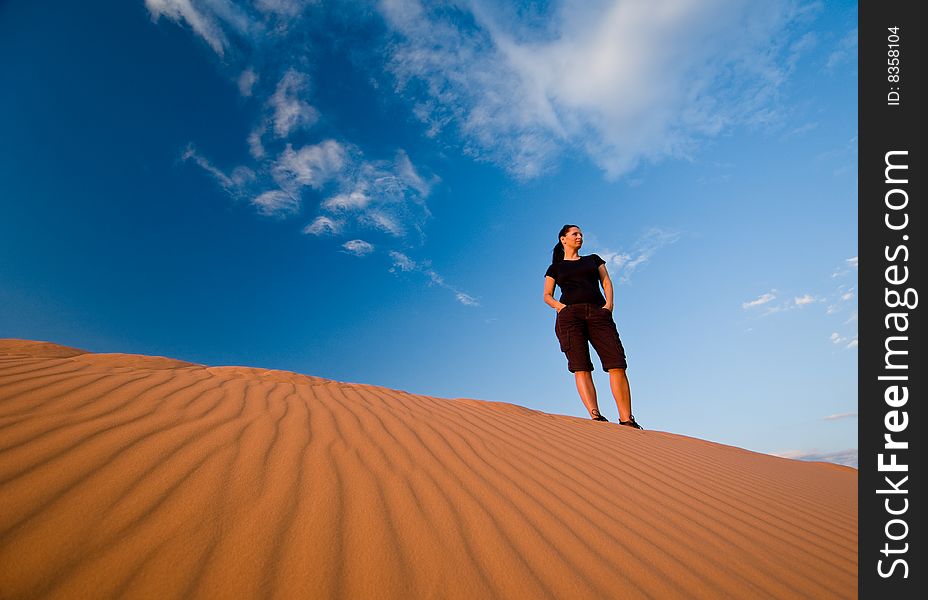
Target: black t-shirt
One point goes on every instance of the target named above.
(578, 279)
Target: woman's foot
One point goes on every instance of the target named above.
(631, 423)
(598, 417)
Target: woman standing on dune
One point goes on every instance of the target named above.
(584, 316)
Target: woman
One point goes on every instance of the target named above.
(584, 316)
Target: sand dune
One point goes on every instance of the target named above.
(136, 476)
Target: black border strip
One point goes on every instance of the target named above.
(891, 271)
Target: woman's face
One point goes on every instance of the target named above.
(573, 238)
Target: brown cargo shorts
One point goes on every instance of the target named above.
(579, 325)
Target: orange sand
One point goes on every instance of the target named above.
(135, 476)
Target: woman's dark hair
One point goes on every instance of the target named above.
(558, 253)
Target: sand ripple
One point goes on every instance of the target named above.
(134, 476)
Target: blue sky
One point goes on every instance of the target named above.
(370, 192)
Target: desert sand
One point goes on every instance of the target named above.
(130, 476)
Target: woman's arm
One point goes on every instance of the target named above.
(607, 286)
(549, 294)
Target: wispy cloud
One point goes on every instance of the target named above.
(323, 225)
(353, 192)
(517, 88)
(313, 165)
(520, 86)
(246, 82)
(760, 300)
(804, 300)
(518, 95)
(625, 264)
(235, 183)
(845, 50)
(219, 22)
(388, 196)
(204, 23)
(849, 265)
(840, 297)
(847, 458)
(358, 247)
(290, 111)
(836, 301)
(799, 131)
(843, 159)
(277, 203)
(840, 416)
(848, 342)
(402, 263)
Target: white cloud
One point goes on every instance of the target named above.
(382, 221)
(798, 131)
(800, 47)
(358, 247)
(290, 111)
(209, 19)
(759, 301)
(255, 145)
(466, 299)
(277, 203)
(836, 302)
(286, 8)
(183, 10)
(838, 339)
(850, 263)
(323, 225)
(839, 416)
(382, 195)
(357, 199)
(409, 176)
(847, 458)
(844, 50)
(246, 82)
(625, 82)
(463, 298)
(626, 263)
(804, 300)
(379, 195)
(401, 262)
(312, 165)
(233, 183)
(385, 196)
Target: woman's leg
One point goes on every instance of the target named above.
(587, 391)
(622, 393)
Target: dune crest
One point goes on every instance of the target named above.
(130, 476)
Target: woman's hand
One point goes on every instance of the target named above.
(607, 306)
(561, 307)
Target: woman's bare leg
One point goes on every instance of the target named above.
(587, 391)
(622, 393)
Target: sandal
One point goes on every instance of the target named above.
(598, 417)
(631, 423)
